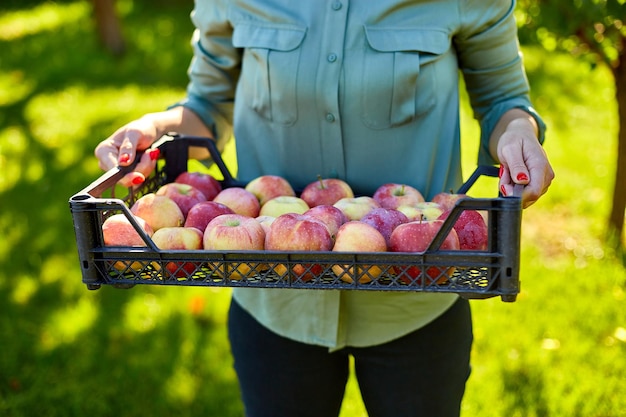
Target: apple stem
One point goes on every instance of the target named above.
(321, 180)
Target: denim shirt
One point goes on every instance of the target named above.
(366, 91)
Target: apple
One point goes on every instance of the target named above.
(239, 200)
(471, 229)
(283, 204)
(416, 236)
(267, 187)
(385, 220)
(326, 191)
(206, 183)
(178, 238)
(203, 212)
(392, 195)
(447, 200)
(356, 207)
(234, 232)
(185, 195)
(158, 211)
(265, 222)
(357, 236)
(117, 230)
(426, 210)
(296, 232)
(330, 215)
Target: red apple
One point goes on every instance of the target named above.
(326, 192)
(239, 200)
(356, 207)
(235, 232)
(206, 183)
(417, 236)
(426, 210)
(331, 216)
(296, 232)
(471, 229)
(203, 212)
(117, 230)
(267, 187)
(385, 220)
(283, 204)
(158, 211)
(356, 236)
(178, 238)
(185, 195)
(447, 200)
(393, 195)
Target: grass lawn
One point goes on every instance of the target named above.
(559, 350)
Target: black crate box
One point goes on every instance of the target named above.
(472, 274)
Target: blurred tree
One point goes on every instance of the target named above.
(595, 30)
(108, 26)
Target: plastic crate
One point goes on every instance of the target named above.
(475, 274)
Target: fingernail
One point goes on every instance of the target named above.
(503, 190)
(124, 158)
(138, 180)
(501, 171)
(522, 177)
(154, 154)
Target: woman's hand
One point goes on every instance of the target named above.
(523, 160)
(120, 149)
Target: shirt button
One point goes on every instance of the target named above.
(330, 117)
(331, 57)
(336, 5)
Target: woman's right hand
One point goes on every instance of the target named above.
(120, 149)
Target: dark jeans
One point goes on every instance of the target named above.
(420, 374)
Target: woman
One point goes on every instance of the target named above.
(367, 92)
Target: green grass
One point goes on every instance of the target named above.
(560, 350)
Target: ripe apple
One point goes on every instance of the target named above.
(158, 211)
(203, 212)
(471, 229)
(356, 236)
(392, 195)
(185, 195)
(426, 210)
(283, 204)
(296, 232)
(326, 192)
(239, 200)
(178, 238)
(416, 236)
(385, 220)
(356, 207)
(330, 215)
(267, 187)
(117, 230)
(234, 232)
(206, 183)
(265, 222)
(447, 200)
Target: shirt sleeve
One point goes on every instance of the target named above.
(491, 63)
(214, 69)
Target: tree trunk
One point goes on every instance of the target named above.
(108, 26)
(616, 219)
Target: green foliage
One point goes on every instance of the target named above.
(559, 350)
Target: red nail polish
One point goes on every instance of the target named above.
(137, 180)
(522, 177)
(124, 158)
(154, 154)
(503, 190)
(501, 171)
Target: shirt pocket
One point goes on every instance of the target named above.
(399, 74)
(271, 55)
